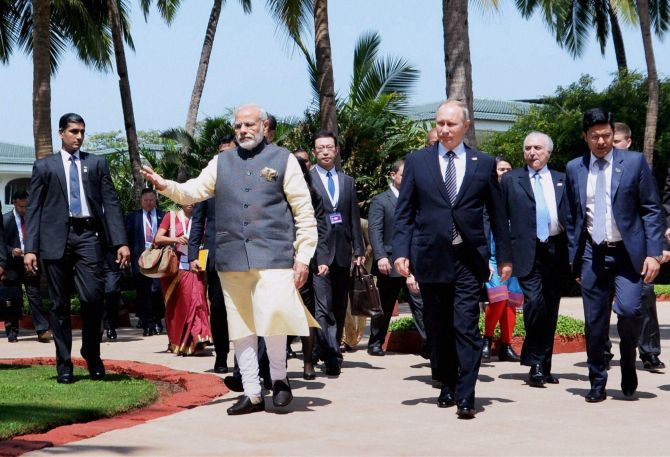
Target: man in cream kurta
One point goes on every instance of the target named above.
(265, 237)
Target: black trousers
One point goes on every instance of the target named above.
(542, 295)
(331, 293)
(650, 335)
(84, 255)
(389, 289)
(451, 313)
(112, 290)
(31, 284)
(217, 311)
(150, 305)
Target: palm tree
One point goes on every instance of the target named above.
(457, 62)
(167, 9)
(203, 65)
(652, 81)
(294, 16)
(46, 29)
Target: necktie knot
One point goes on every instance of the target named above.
(451, 154)
(537, 175)
(600, 163)
(329, 174)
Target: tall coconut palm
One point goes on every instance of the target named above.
(201, 74)
(47, 29)
(294, 16)
(167, 9)
(457, 62)
(652, 81)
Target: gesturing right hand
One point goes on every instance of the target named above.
(154, 178)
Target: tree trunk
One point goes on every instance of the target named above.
(617, 38)
(652, 82)
(200, 77)
(126, 99)
(324, 65)
(457, 58)
(42, 78)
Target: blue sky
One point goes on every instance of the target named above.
(512, 59)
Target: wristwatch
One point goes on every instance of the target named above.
(658, 258)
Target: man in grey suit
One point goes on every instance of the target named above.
(331, 280)
(389, 281)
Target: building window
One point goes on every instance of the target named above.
(15, 186)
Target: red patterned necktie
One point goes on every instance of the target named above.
(148, 235)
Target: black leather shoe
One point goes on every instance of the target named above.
(158, 329)
(596, 395)
(652, 362)
(507, 354)
(550, 379)
(281, 393)
(333, 369)
(446, 398)
(148, 331)
(65, 378)
(111, 334)
(220, 366)
(465, 409)
(486, 352)
(290, 353)
(233, 383)
(96, 369)
(245, 406)
(536, 378)
(13, 339)
(376, 351)
(628, 380)
(308, 374)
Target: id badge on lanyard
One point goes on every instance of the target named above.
(335, 218)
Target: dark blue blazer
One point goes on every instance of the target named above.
(135, 231)
(520, 204)
(424, 216)
(48, 212)
(203, 224)
(636, 207)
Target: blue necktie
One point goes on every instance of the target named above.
(331, 185)
(75, 200)
(600, 204)
(450, 184)
(542, 218)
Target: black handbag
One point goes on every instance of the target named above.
(364, 295)
(11, 301)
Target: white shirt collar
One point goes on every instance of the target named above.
(395, 191)
(542, 171)
(323, 171)
(608, 158)
(66, 155)
(458, 150)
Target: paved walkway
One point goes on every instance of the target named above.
(387, 406)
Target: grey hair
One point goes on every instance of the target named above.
(263, 114)
(459, 103)
(548, 143)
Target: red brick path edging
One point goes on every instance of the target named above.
(199, 389)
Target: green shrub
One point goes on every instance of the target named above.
(661, 289)
(402, 324)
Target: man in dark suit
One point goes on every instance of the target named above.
(537, 211)
(69, 231)
(141, 227)
(331, 279)
(15, 274)
(389, 281)
(440, 238)
(615, 231)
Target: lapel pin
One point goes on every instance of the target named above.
(473, 158)
(559, 184)
(84, 169)
(618, 170)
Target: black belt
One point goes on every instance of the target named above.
(84, 223)
(606, 244)
(551, 239)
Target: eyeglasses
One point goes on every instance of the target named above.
(328, 147)
(239, 125)
(604, 136)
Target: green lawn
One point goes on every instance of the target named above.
(31, 400)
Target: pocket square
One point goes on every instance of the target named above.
(269, 174)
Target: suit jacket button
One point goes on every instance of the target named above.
(246, 206)
(247, 240)
(246, 223)
(246, 189)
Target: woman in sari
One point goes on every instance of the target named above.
(186, 309)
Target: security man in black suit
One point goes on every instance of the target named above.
(141, 227)
(67, 230)
(14, 222)
(439, 237)
(389, 281)
(537, 210)
(331, 280)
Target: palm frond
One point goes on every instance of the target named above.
(9, 27)
(659, 15)
(365, 55)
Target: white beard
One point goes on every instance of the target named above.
(250, 144)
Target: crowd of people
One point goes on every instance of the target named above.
(280, 235)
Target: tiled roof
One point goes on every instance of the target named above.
(17, 154)
(485, 109)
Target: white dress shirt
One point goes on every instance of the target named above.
(65, 156)
(612, 233)
(395, 191)
(324, 179)
(154, 226)
(459, 165)
(549, 197)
